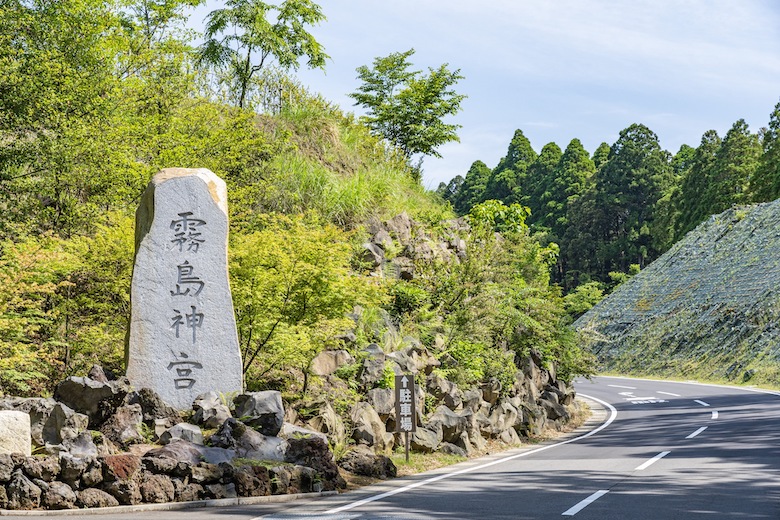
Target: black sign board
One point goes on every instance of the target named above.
(405, 412)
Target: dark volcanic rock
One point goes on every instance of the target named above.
(22, 492)
(58, 495)
(262, 411)
(124, 426)
(313, 452)
(97, 399)
(127, 492)
(153, 408)
(46, 469)
(93, 497)
(363, 461)
(157, 489)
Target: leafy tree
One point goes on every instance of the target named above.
(496, 305)
(450, 190)
(158, 18)
(691, 203)
(292, 289)
(471, 191)
(581, 240)
(64, 305)
(507, 180)
(246, 35)
(601, 155)
(625, 193)
(735, 164)
(666, 212)
(541, 179)
(58, 84)
(569, 180)
(31, 273)
(765, 184)
(494, 215)
(583, 298)
(407, 107)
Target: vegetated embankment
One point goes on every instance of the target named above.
(707, 308)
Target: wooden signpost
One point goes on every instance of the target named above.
(405, 412)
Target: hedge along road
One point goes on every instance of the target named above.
(663, 450)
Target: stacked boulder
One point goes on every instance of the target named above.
(460, 421)
(100, 443)
(396, 245)
(449, 419)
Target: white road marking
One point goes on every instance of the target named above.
(697, 432)
(639, 398)
(694, 382)
(701, 402)
(374, 498)
(714, 414)
(626, 387)
(585, 503)
(669, 393)
(652, 461)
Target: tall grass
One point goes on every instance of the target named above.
(339, 170)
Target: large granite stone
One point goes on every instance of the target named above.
(15, 433)
(183, 340)
(50, 422)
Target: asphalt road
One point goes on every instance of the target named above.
(661, 451)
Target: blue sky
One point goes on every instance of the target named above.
(560, 69)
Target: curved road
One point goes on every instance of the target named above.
(662, 450)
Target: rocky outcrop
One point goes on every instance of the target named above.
(123, 427)
(706, 308)
(413, 244)
(248, 443)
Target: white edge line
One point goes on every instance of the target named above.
(701, 402)
(713, 385)
(374, 498)
(652, 461)
(714, 414)
(697, 432)
(585, 503)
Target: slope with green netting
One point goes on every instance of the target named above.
(707, 308)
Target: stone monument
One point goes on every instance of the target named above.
(182, 339)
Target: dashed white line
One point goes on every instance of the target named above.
(714, 414)
(669, 393)
(697, 432)
(626, 387)
(700, 402)
(652, 461)
(585, 503)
